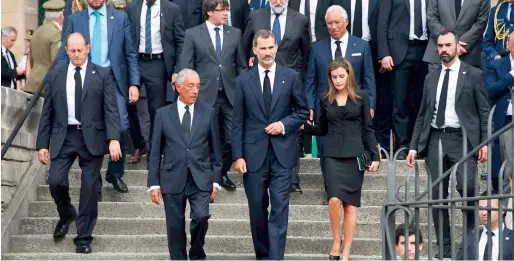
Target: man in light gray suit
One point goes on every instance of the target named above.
(467, 18)
(213, 50)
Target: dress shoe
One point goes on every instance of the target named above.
(402, 155)
(227, 183)
(296, 188)
(62, 228)
(331, 257)
(138, 153)
(84, 249)
(117, 183)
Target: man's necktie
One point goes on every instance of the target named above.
(148, 29)
(266, 92)
(457, 7)
(218, 41)
(339, 53)
(357, 19)
(78, 93)
(488, 255)
(418, 23)
(186, 123)
(276, 28)
(441, 108)
(96, 49)
(264, 3)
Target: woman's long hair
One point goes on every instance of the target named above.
(351, 85)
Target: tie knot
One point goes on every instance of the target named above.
(448, 70)
(187, 108)
(78, 69)
(217, 29)
(96, 14)
(277, 15)
(338, 42)
(267, 71)
(149, 3)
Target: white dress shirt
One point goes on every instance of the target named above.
(212, 33)
(8, 57)
(344, 45)
(271, 76)
(313, 4)
(281, 20)
(366, 34)
(181, 111)
(155, 23)
(483, 241)
(450, 115)
(412, 36)
(70, 90)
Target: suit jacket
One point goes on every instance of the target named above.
(256, 4)
(172, 31)
(469, 26)
(123, 56)
(8, 74)
(373, 12)
(491, 45)
(99, 110)
(191, 12)
(239, 12)
(359, 55)
(201, 153)
(320, 26)
(394, 28)
(296, 37)
(346, 131)
(471, 247)
(288, 105)
(199, 53)
(471, 105)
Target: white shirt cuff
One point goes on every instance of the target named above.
(283, 128)
(413, 151)
(216, 185)
(153, 187)
(512, 73)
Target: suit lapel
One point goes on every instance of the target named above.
(197, 119)
(329, 49)
(161, 17)
(277, 87)
(85, 25)
(434, 81)
(61, 81)
(349, 47)
(226, 38)
(137, 13)
(372, 5)
(464, 8)
(290, 19)
(175, 119)
(110, 25)
(463, 73)
(90, 72)
(256, 88)
(407, 5)
(205, 34)
(451, 7)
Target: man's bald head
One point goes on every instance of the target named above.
(77, 48)
(77, 38)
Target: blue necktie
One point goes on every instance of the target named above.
(276, 28)
(148, 31)
(218, 41)
(263, 3)
(96, 49)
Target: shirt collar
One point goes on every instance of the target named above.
(72, 67)
(182, 105)
(284, 13)
(211, 26)
(4, 50)
(271, 69)
(343, 39)
(496, 232)
(102, 11)
(454, 67)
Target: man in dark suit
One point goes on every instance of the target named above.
(239, 12)
(191, 12)
(10, 71)
(315, 11)
(489, 236)
(454, 98)
(80, 116)
(213, 49)
(256, 4)
(291, 29)
(187, 133)
(111, 46)
(269, 107)
(403, 39)
(159, 49)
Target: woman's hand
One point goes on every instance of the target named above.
(374, 166)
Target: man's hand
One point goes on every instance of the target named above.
(372, 112)
(461, 50)
(374, 166)
(250, 61)
(240, 166)
(42, 154)
(156, 196)
(274, 129)
(214, 192)
(20, 71)
(497, 57)
(411, 159)
(115, 150)
(133, 94)
(387, 63)
(482, 154)
(311, 115)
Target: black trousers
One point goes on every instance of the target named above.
(223, 110)
(383, 120)
(408, 80)
(452, 153)
(73, 147)
(175, 207)
(134, 127)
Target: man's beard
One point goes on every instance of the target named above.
(269, 61)
(448, 58)
(278, 9)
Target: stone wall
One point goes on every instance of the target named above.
(21, 155)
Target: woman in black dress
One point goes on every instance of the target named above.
(345, 120)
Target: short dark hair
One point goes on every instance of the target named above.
(265, 34)
(400, 231)
(77, 33)
(447, 32)
(210, 5)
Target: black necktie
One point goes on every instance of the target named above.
(339, 53)
(357, 19)
(78, 93)
(488, 255)
(418, 23)
(457, 7)
(266, 92)
(307, 13)
(186, 123)
(441, 108)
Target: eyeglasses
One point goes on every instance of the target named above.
(222, 10)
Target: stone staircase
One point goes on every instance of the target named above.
(131, 227)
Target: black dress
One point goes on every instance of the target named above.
(349, 132)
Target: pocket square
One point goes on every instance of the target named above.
(356, 54)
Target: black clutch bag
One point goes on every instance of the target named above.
(364, 161)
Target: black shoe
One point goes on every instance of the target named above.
(227, 183)
(62, 228)
(331, 257)
(447, 253)
(84, 249)
(296, 188)
(117, 183)
(402, 155)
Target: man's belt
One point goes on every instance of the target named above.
(447, 129)
(78, 127)
(418, 42)
(152, 56)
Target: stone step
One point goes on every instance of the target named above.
(158, 244)
(140, 194)
(372, 181)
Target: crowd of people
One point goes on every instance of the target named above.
(248, 83)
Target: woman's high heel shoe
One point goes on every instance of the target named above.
(331, 257)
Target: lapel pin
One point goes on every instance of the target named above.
(93, 72)
(463, 72)
(112, 17)
(283, 81)
(507, 238)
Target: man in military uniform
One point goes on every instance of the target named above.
(46, 41)
(120, 5)
(501, 24)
